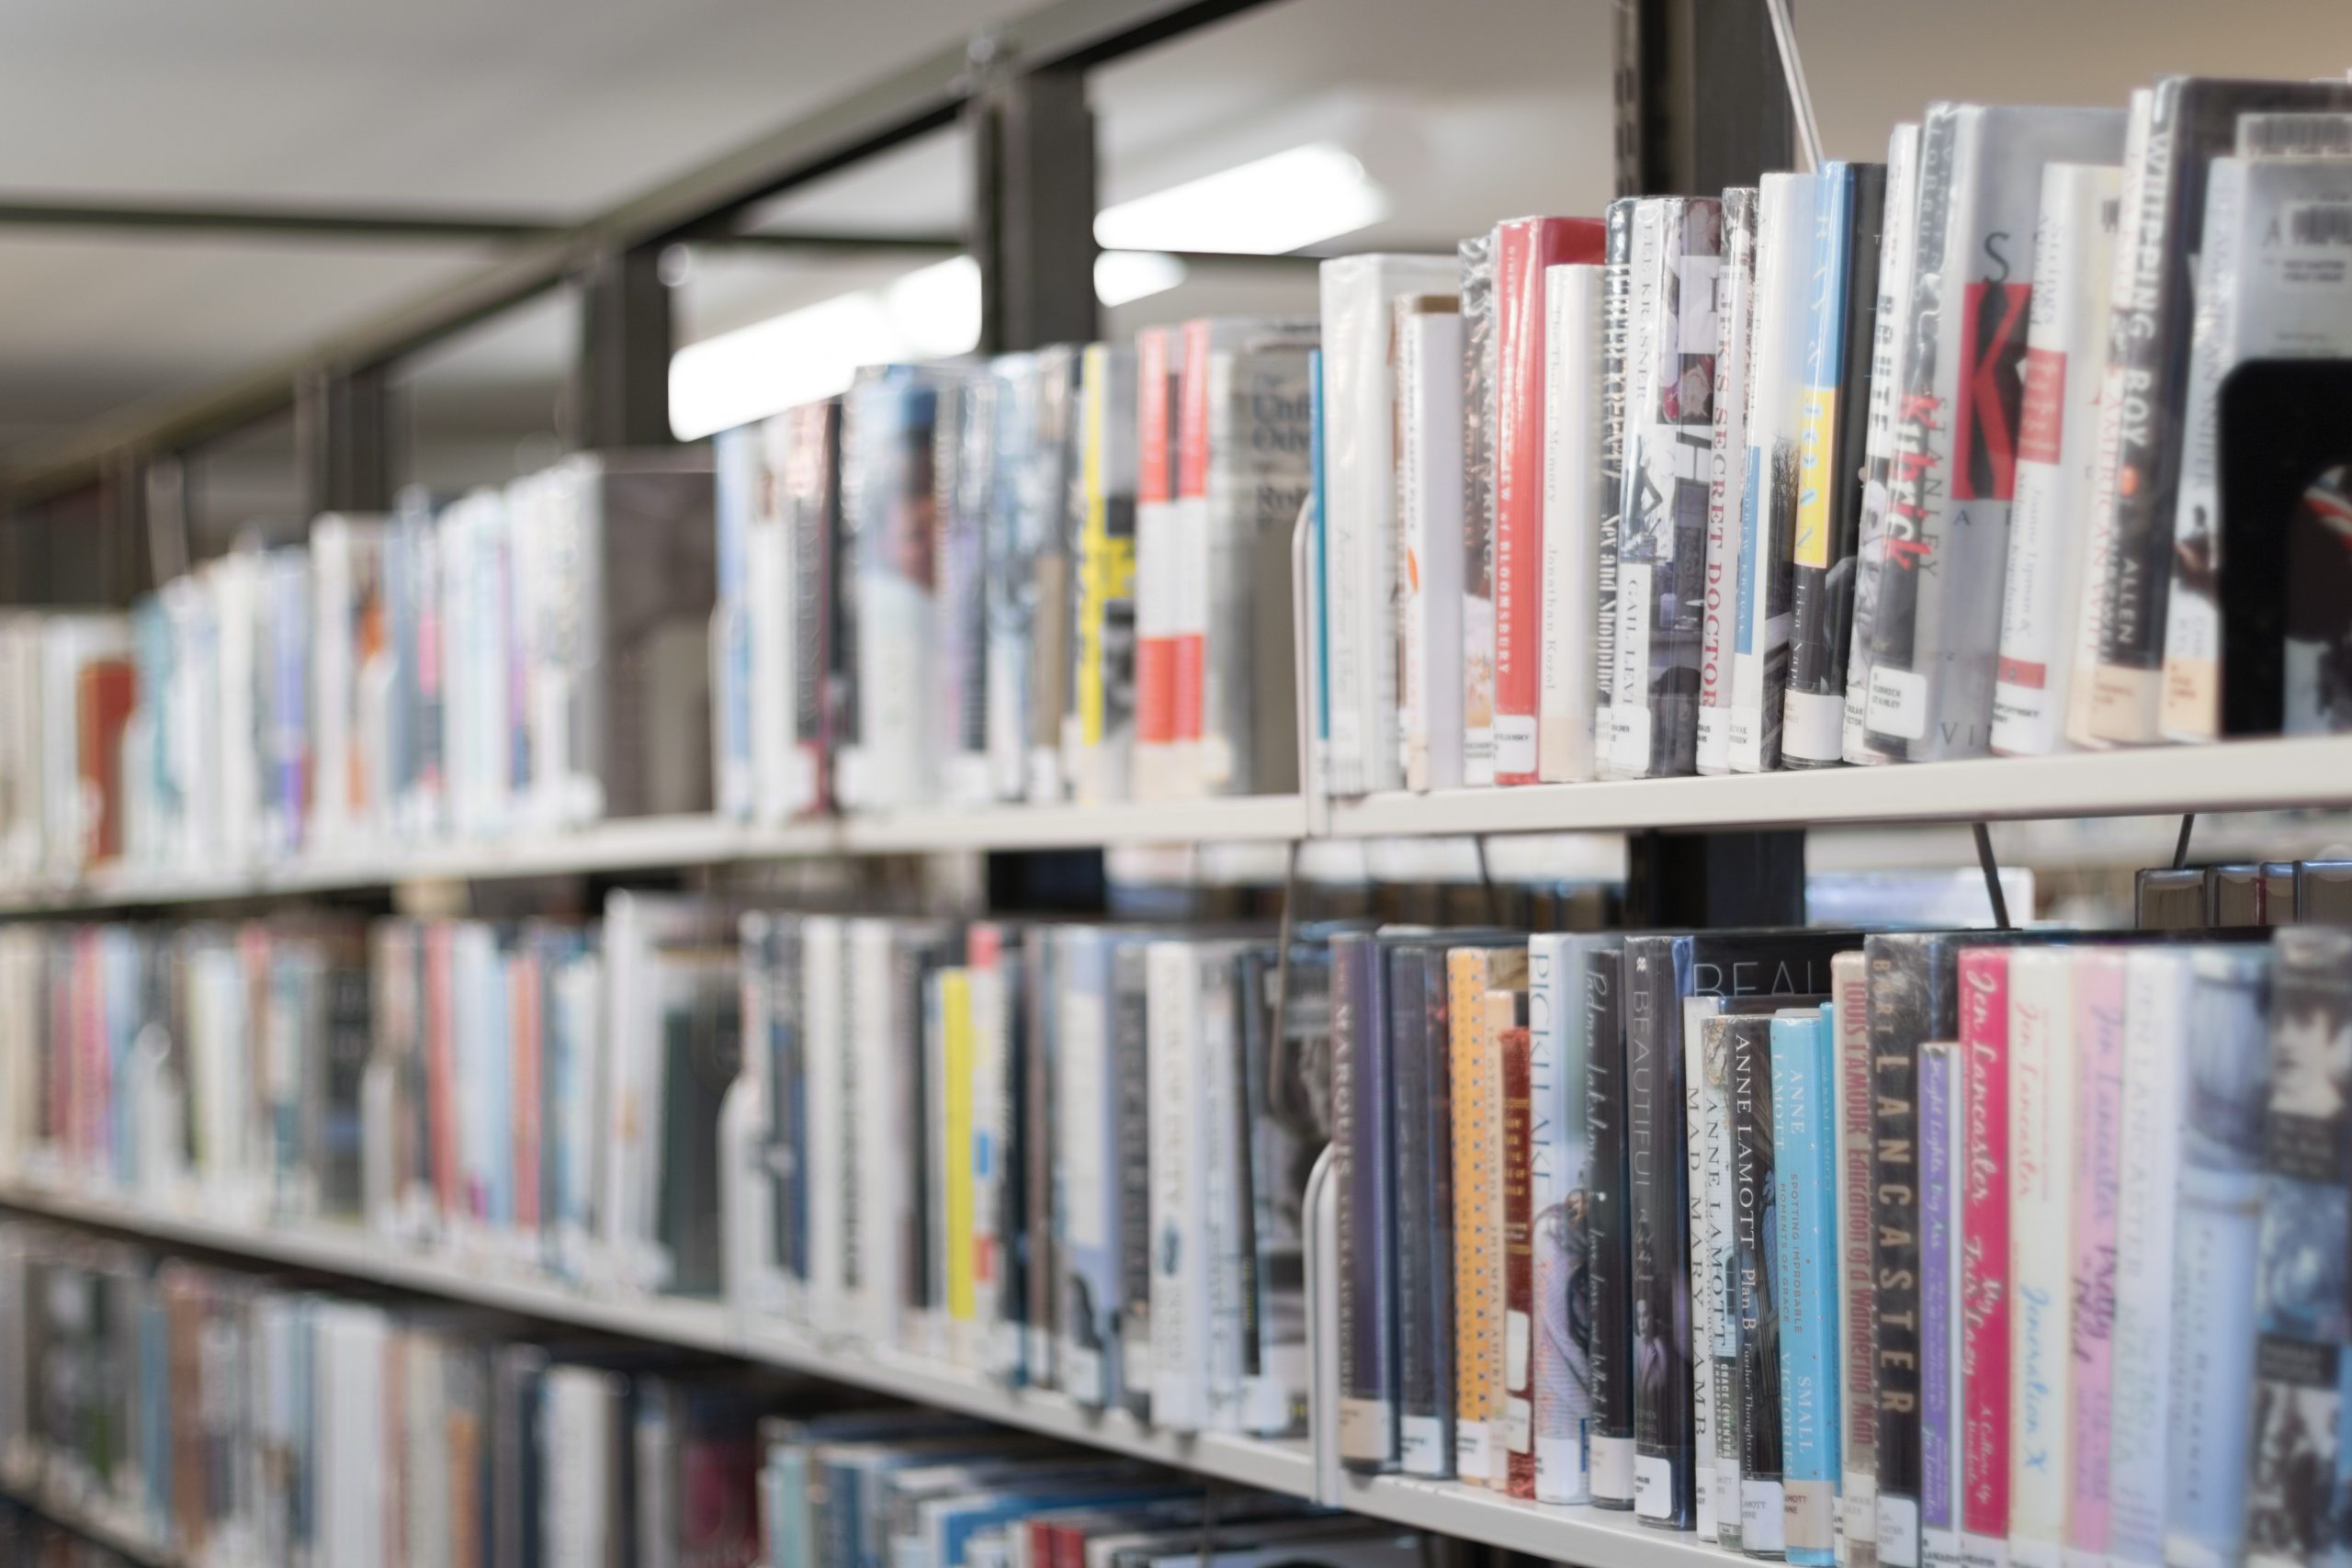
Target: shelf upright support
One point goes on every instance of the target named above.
(343, 430)
(1702, 102)
(1031, 133)
(627, 333)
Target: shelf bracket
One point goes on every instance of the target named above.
(1992, 870)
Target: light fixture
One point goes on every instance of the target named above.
(1268, 206)
(1122, 277)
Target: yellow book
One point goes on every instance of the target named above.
(955, 1137)
(1474, 1063)
(1106, 560)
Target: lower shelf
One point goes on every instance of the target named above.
(96, 1526)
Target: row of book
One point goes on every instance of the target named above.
(524, 659)
(233, 1420)
(1065, 1155)
(2244, 894)
(1897, 1249)
(1889, 462)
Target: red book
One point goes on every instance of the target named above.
(1523, 248)
(1984, 1371)
(523, 981)
(1518, 1436)
(106, 692)
(1155, 505)
(1191, 607)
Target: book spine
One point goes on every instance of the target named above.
(1342, 534)
(1130, 1044)
(2097, 1135)
(1805, 1173)
(1437, 985)
(1082, 1181)
(2057, 449)
(1697, 1012)
(1726, 475)
(1984, 1255)
(1180, 1260)
(1556, 1071)
(1942, 1124)
(1857, 1280)
(2299, 1311)
(1505, 1014)
(1360, 1131)
(1572, 441)
(2217, 1255)
(1480, 350)
(1158, 401)
(1616, 312)
(1609, 1275)
(1429, 411)
(1715, 1263)
(1654, 1100)
(2155, 1000)
(1246, 739)
(2042, 1123)
(1787, 230)
(1519, 517)
(814, 480)
(1480, 1278)
(1419, 1351)
(1898, 1003)
(1762, 1506)
(1192, 567)
(1852, 200)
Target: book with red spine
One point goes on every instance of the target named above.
(1188, 600)
(106, 692)
(525, 980)
(1508, 1012)
(1985, 1256)
(1523, 247)
(1154, 580)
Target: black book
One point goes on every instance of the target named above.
(1753, 1282)
(1424, 1211)
(1130, 966)
(1610, 1271)
(1362, 1141)
(1660, 973)
(916, 951)
(1036, 1034)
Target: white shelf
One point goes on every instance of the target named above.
(2243, 775)
(1591, 1537)
(101, 1524)
(1277, 1466)
(1212, 821)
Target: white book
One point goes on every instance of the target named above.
(1223, 1191)
(1627, 755)
(2156, 1059)
(1360, 507)
(882, 1205)
(1727, 476)
(2274, 284)
(575, 1440)
(2057, 451)
(2041, 1253)
(1760, 661)
(1429, 483)
(771, 603)
(1179, 1326)
(831, 1150)
(1572, 504)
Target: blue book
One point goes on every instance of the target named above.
(1804, 1175)
(1086, 1162)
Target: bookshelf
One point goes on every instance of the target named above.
(38, 1495)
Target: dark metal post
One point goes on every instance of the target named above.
(343, 428)
(1700, 101)
(626, 340)
(1032, 135)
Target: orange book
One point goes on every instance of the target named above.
(1155, 578)
(1507, 1018)
(1473, 1061)
(104, 694)
(1189, 634)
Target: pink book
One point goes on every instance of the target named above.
(1985, 1256)
(2099, 1136)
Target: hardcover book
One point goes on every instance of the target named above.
(1856, 1271)
(1610, 1271)
(1560, 1160)
(1727, 476)
(1429, 507)
(1756, 1237)
(1573, 428)
(1805, 1194)
(2098, 1136)
(1616, 326)
(1985, 1245)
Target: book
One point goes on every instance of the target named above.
(1748, 1045)
(1364, 1136)
(1661, 548)
(1481, 1267)
(1943, 1456)
(1716, 1264)
(1086, 1126)
(1805, 1195)
(814, 653)
(889, 426)
(1849, 218)
(1525, 248)
(1420, 1022)
(2270, 285)
(1160, 402)
(2098, 1133)
(1098, 742)
(1616, 331)
(1856, 1271)
(1936, 629)
(1610, 1271)
(1987, 1246)
(1515, 1437)
(1786, 229)
(2043, 1073)
(1560, 1160)
(1360, 513)
(2058, 430)
(1131, 1058)
(1708, 1413)
(963, 466)
(1429, 507)
(1727, 476)
(1573, 435)
(1480, 370)
(2296, 1491)
(2192, 120)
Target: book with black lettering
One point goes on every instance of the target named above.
(1616, 306)
(1747, 1049)
(1287, 1090)
(1661, 972)
(2194, 120)
(2299, 1486)
(812, 504)
(1610, 1267)
(1363, 1153)
(1936, 630)
(1132, 1065)
(1417, 992)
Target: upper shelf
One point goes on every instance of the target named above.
(2249, 776)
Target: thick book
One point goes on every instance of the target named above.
(1662, 531)
(1099, 741)
(1985, 1242)
(1942, 1454)
(1890, 350)
(2297, 1493)
(1805, 1169)
(2096, 1148)
(1285, 1092)
(2058, 441)
(1359, 519)
(1714, 1262)
(1727, 476)
(1706, 1418)
(2042, 1060)
(1183, 1257)
(1525, 248)
(1481, 1264)
(1849, 207)
(1086, 1134)
(1936, 629)
(1418, 1024)
(1559, 1164)
(1747, 1040)
(1616, 320)
(1608, 1269)
(2193, 121)
(963, 480)
(1362, 1141)
(1429, 511)
(1507, 1021)
(1131, 1065)
(1476, 289)
(1159, 367)
(1053, 499)
(888, 424)
(1573, 433)
(1856, 1271)
(2272, 285)
(1786, 238)
(747, 522)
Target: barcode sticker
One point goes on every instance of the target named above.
(1474, 1454)
(1898, 703)
(1653, 1486)
(2310, 224)
(1762, 1511)
(1516, 1339)
(1422, 1450)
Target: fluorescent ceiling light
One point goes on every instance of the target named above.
(1122, 277)
(1266, 207)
